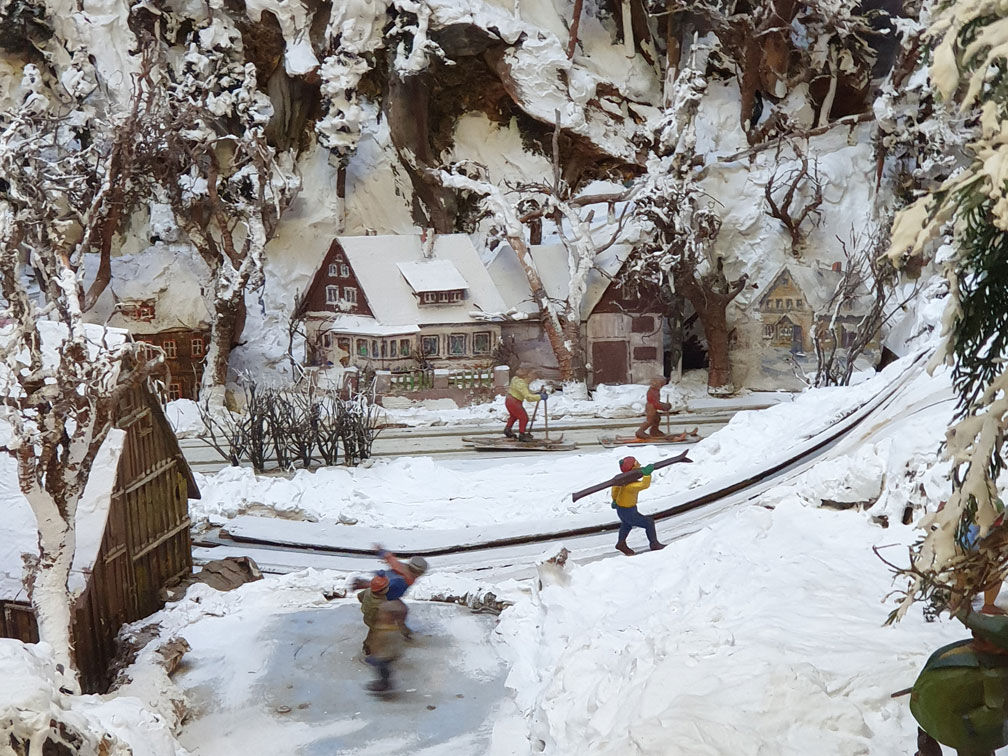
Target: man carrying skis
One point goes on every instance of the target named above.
(519, 392)
(624, 501)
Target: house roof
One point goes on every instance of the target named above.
(19, 532)
(172, 276)
(551, 260)
(432, 275)
(816, 282)
(364, 326)
(378, 262)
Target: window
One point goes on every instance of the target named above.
(428, 297)
(393, 343)
(174, 391)
(362, 347)
(768, 331)
(404, 347)
(327, 340)
(444, 296)
(798, 303)
(642, 324)
(384, 348)
(789, 303)
(481, 342)
(170, 349)
(343, 344)
(456, 296)
(344, 270)
(333, 270)
(350, 294)
(331, 294)
(456, 344)
(780, 303)
(197, 346)
(645, 353)
(374, 347)
(429, 345)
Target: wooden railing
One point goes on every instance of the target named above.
(414, 380)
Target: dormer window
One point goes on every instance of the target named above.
(442, 297)
(333, 270)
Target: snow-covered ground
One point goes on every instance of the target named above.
(761, 633)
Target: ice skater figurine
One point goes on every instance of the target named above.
(385, 642)
(653, 408)
(370, 599)
(624, 501)
(518, 393)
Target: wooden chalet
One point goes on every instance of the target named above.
(395, 302)
(133, 538)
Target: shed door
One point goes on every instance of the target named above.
(609, 362)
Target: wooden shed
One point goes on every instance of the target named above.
(145, 544)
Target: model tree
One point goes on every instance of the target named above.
(61, 159)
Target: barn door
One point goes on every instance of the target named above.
(609, 362)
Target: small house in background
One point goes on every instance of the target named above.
(156, 295)
(795, 304)
(396, 302)
(133, 537)
(623, 332)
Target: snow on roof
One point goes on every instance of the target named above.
(432, 275)
(18, 528)
(551, 260)
(364, 326)
(817, 283)
(18, 531)
(172, 275)
(391, 298)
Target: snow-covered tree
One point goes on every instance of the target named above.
(682, 227)
(968, 68)
(60, 379)
(512, 210)
(227, 186)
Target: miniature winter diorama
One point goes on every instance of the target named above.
(280, 282)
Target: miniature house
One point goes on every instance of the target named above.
(793, 310)
(133, 537)
(623, 334)
(393, 302)
(157, 295)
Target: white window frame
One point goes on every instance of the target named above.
(350, 294)
(170, 349)
(333, 270)
(332, 294)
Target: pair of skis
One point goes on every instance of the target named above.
(496, 443)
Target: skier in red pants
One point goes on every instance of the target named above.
(519, 392)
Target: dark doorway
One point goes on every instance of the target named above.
(609, 362)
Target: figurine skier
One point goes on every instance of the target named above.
(624, 501)
(518, 393)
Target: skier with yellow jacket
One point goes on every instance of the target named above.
(624, 501)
